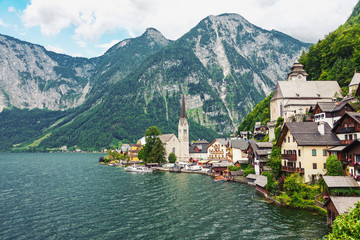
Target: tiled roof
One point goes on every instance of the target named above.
(307, 134)
(340, 181)
(201, 146)
(261, 181)
(166, 137)
(264, 144)
(343, 204)
(306, 89)
(241, 144)
(263, 152)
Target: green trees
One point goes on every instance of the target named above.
(347, 226)
(172, 157)
(274, 162)
(154, 151)
(333, 166)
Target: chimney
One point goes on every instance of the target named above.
(321, 127)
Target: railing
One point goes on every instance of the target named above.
(292, 169)
(289, 157)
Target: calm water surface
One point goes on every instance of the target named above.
(71, 196)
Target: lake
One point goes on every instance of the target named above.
(71, 196)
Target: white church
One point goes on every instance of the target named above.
(179, 145)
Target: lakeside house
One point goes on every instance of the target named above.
(339, 205)
(237, 150)
(258, 153)
(217, 150)
(296, 96)
(134, 150)
(335, 184)
(260, 184)
(304, 147)
(198, 150)
(260, 131)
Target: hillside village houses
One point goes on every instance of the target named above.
(296, 96)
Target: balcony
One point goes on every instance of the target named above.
(292, 169)
(289, 157)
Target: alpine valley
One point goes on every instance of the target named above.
(224, 66)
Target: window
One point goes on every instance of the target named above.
(284, 151)
(293, 139)
(173, 150)
(346, 137)
(350, 137)
(355, 136)
(185, 131)
(324, 165)
(324, 152)
(288, 139)
(299, 153)
(314, 166)
(285, 139)
(299, 164)
(314, 152)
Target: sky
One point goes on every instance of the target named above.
(87, 28)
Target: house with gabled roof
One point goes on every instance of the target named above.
(171, 144)
(347, 128)
(258, 153)
(304, 148)
(217, 150)
(330, 112)
(339, 205)
(198, 149)
(237, 149)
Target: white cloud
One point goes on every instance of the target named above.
(11, 9)
(2, 23)
(108, 45)
(306, 20)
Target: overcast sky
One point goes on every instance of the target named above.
(89, 27)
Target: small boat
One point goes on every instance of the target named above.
(221, 179)
(140, 169)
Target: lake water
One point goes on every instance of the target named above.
(71, 196)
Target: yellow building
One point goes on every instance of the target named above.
(134, 150)
(304, 148)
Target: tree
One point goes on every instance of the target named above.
(274, 162)
(347, 226)
(154, 151)
(172, 157)
(333, 166)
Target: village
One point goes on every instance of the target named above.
(312, 128)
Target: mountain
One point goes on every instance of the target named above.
(337, 56)
(224, 66)
(32, 77)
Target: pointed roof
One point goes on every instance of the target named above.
(355, 80)
(297, 69)
(183, 110)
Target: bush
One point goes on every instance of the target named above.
(234, 168)
(249, 171)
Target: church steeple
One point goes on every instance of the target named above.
(183, 110)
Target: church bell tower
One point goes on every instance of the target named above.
(183, 134)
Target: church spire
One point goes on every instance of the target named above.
(183, 110)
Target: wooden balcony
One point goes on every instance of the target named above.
(289, 157)
(292, 169)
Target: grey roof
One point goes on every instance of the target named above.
(355, 80)
(343, 204)
(340, 181)
(222, 141)
(252, 176)
(337, 148)
(301, 102)
(222, 164)
(331, 106)
(307, 134)
(201, 146)
(263, 152)
(261, 181)
(202, 141)
(166, 137)
(264, 144)
(241, 144)
(306, 89)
